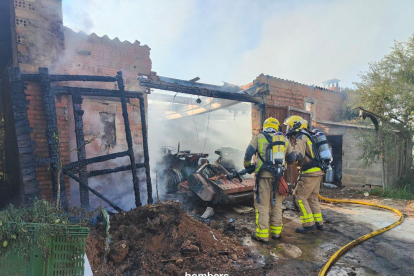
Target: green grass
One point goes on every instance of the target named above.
(404, 189)
(405, 192)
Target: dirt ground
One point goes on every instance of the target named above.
(169, 239)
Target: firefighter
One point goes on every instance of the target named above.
(307, 189)
(268, 202)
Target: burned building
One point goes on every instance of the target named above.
(32, 36)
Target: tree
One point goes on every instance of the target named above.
(387, 88)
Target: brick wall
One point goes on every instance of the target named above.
(326, 104)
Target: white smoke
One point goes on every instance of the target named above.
(204, 133)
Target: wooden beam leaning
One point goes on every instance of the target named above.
(74, 177)
(114, 170)
(193, 89)
(80, 163)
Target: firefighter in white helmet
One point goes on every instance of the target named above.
(307, 189)
(273, 150)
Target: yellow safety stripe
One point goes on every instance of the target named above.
(302, 207)
(307, 217)
(276, 229)
(318, 217)
(266, 235)
(261, 142)
(312, 170)
(307, 220)
(262, 233)
(310, 148)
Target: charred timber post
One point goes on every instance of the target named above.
(52, 134)
(74, 177)
(262, 114)
(25, 145)
(121, 88)
(145, 145)
(80, 148)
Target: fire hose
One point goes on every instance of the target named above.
(353, 243)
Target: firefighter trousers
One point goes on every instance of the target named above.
(306, 197)
(268, 216)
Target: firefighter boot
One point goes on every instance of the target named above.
(276, 237)
(319, 226)
(254, 237)
(305, 229)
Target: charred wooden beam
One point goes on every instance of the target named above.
(114, 170)
(67, 90)
(36, 77)
(80, 148)
(25, 145)
(146, 151)
(80, 163)
(128, 135)
(95, 192)
(52, 134)
(187, 87)
(42, 161)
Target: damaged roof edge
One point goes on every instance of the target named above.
(105, 38)
(294, 82)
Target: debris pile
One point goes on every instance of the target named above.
(162, 239)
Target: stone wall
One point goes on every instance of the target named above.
(353, 171)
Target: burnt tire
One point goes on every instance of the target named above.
(172, 178)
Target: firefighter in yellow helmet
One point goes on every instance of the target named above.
(273, 150)
(307, 189)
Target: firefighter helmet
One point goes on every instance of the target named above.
(271, 123)
(296, 123)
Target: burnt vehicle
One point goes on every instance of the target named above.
(191, 176)
(176, 166)
(214, 184)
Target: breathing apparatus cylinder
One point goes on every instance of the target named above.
(322, 146)
(278, 151)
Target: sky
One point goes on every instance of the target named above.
(235, 41)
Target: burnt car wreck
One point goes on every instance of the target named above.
(192, 177)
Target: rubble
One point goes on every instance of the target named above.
(162, 240)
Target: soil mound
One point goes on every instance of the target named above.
(162, 239)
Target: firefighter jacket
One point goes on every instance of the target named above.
(258, 144)
(303, 150)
